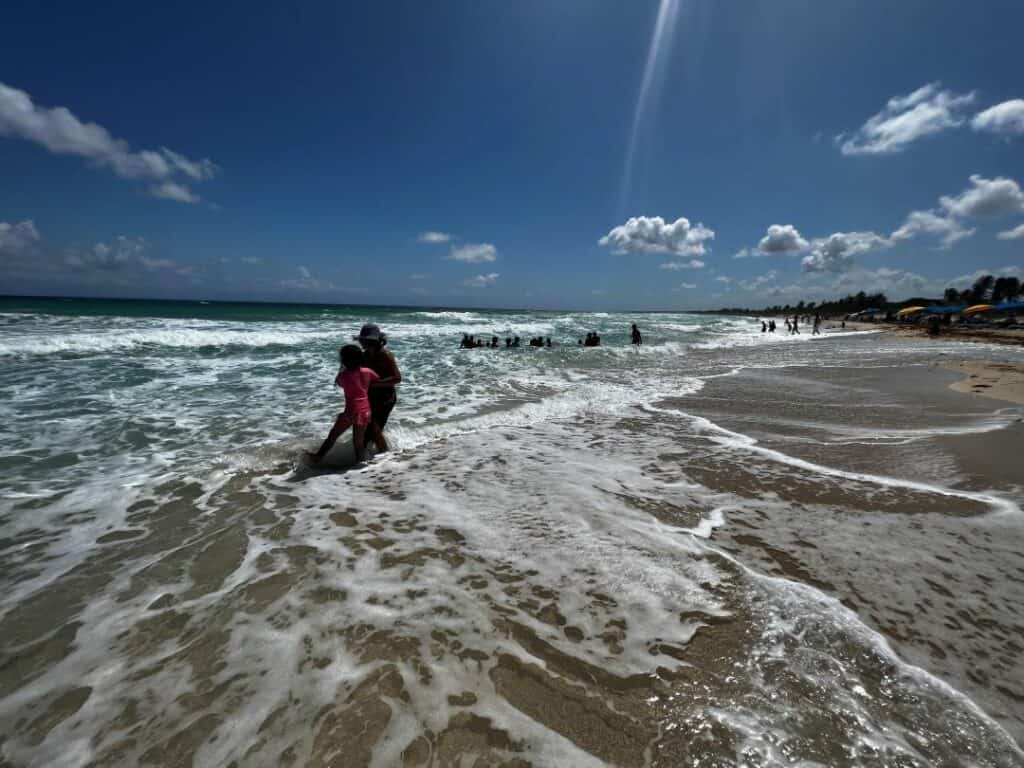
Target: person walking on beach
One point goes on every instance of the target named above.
(355, 380)
(817, 326)
(796, 325)
(635, 336)
(383, 395)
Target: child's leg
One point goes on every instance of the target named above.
(358, 434)
(342, 423)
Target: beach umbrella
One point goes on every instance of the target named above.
(941, 310)
(977, 308)
(1012, 306)
(908, 311)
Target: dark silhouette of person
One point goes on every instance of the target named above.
(382, 393)
(635, 337)
(764, 327)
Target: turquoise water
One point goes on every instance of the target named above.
(174, 578)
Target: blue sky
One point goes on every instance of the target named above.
(557, 154)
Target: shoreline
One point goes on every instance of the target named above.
(995, 380)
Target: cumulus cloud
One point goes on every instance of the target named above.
(17, 238)
(687, 286)
(481, 281)
(304, 273)
(434, 237)
(928, 110)
(652, 234)
(966, 281)
(782, 238)
(1006, 119)
(691, 264)
(947, 229)
(986, 197)
(894, 282)
(835, 253)
(61, 132)
(744, 253)
(1017, 233)
(723, 279)
(474, 253)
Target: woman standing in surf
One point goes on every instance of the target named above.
(382, 392)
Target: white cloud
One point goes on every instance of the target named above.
(893, 282)
(676, 265)
(58, 130)
(251, 260)
(481, 281)
(782, 238)
(1017, 233)
(835, 253)
(760, 281)
(418, 276)
(121, 253)
(172, 190)
(949, 230)
(744, 253)
(986, 197)
(1006, 119)
(688, 286)
(474, 253)
(304, 273)
(17, 238)
(652, 234)
(434, 237)
(723, 279)
(966, 281)
(926, 111)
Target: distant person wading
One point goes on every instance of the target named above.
(382, 393)
(635, 336)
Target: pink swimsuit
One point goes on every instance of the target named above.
(355, 385)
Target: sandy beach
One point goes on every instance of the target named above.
(720, 549)
(1008, 336)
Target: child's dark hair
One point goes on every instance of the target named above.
(351, 357)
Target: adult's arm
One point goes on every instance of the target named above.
(394, 376)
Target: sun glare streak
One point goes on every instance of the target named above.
(661, 45)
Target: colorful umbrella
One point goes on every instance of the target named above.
(977, 308)
(908, 311)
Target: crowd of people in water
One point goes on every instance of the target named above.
(793, 326)
(368, 374)
(592, 339)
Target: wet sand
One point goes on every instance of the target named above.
(791, 564)
(939, 576)
(998, 380)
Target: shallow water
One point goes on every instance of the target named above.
(723, 548)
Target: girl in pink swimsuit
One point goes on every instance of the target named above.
(354, 380)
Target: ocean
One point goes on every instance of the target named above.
(722, 548)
